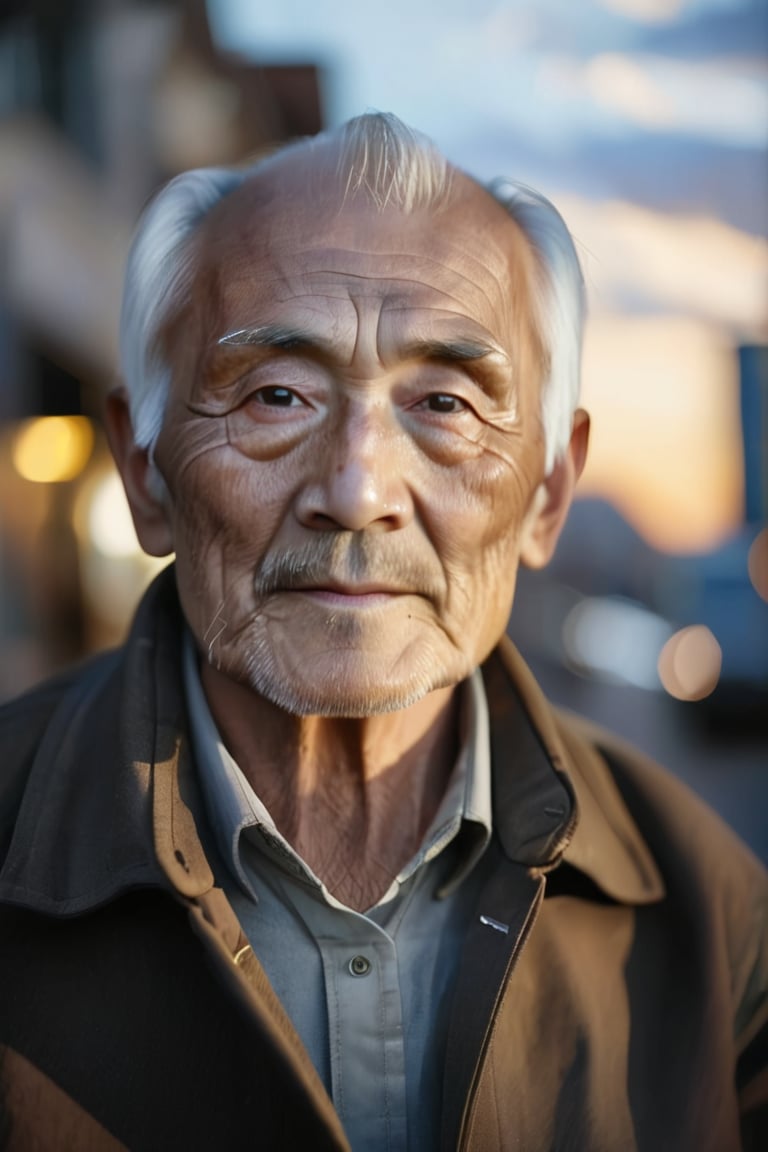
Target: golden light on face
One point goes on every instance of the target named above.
(353, 444)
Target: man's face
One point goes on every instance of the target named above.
(353, 442)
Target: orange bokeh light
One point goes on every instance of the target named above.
(690, 662)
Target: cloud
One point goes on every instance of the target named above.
(646, 11)
(695, 266)
(625, 86)
(725, 99)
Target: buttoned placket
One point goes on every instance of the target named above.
(350, 1005)
(365, 1023)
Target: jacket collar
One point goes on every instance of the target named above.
(555, 798)
(111, 802)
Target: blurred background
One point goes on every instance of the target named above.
(646, 121)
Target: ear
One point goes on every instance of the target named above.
(149, 509)
(553, 498)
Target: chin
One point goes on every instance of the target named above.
(353, 701)
(349, 707)
(353, 691)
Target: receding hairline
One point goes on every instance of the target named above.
(278, 178)
(302, 170)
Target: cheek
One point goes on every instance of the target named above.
(485, 503)
(225, 511)
(482, 514)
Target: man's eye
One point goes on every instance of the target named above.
(277, 397)
(444, 402)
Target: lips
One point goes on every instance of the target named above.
(355, 590)
(350, 596)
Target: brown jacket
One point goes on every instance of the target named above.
(625, 1009)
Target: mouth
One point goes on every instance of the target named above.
(351, 595)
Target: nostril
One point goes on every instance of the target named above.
(354, 490)
(323, 522)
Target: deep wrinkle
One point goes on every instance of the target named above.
(282, 281)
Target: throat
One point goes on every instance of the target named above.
(356, 859)
(353, 797)
(355, 823)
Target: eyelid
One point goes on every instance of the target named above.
(254, 379)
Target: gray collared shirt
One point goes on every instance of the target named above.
(369, 992)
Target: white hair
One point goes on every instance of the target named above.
(559, 307)
(157, 278)
(392, 164)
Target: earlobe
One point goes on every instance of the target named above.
(552, 500)
(149, 510)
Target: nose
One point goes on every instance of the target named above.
(358, 481)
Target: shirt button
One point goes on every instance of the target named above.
(359, 966)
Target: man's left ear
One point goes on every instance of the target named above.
(553, 498)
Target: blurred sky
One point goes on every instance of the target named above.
(595, 95)
(646, 121)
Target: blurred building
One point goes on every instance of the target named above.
(101, 102)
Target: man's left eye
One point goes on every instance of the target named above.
(444, 402)
(277, 397)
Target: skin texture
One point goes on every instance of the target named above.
(354, 463)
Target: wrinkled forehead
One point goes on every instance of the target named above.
(295, 222)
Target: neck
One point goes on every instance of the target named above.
(354, 797)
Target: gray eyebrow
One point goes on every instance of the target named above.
(459, 350)
(285, 338)
(275, 336)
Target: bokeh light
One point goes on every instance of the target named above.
(614, 640)
(110, 527)
(757, 564)
(690, 663)
(51, 449)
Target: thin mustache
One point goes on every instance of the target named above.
(344, 561)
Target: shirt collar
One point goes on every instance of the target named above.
(234, 808)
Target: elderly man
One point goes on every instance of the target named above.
(310, 863)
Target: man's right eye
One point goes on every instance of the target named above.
(276, 397)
